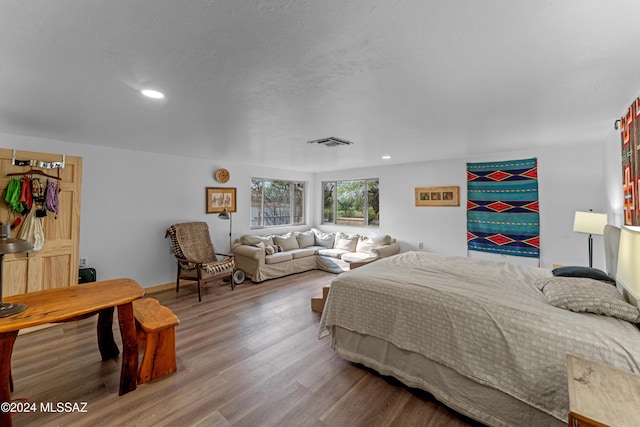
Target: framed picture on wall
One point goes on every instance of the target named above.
(220, 198)
(438, 196)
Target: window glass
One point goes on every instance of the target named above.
(276, 202)
(351, 202)
(373, 203)
(329, 189)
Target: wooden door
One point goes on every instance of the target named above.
(56, 264)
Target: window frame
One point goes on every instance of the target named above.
(334, 212)
(292, 206)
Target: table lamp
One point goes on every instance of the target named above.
(589, 223)
(8, 245)
(225, 214)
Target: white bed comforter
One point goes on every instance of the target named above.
(485, 320)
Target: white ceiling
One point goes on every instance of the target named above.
(252, 81)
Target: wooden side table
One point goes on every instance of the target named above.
(601, 395)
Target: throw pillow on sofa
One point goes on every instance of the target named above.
(346, 242)
(287, 241)
(323, 239)
(305, 239)
(367, 244)
(254, 240)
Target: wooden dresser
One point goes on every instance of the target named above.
(601, 395)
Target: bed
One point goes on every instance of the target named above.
(480, 336)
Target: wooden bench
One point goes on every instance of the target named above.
(155, 325)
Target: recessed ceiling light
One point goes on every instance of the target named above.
(150, 93)
(386, 157)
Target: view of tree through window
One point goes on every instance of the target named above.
(353, 202)
(276, 202)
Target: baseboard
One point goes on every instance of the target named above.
(159, 288)
(36, 328)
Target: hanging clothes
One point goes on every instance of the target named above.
(13, 195)
(38, 189)
(51, 196)
(26, 196)
(32, 231)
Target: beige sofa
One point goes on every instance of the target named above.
(271, 256)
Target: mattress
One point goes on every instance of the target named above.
(483, 321)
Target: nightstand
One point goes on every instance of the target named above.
(601, 395)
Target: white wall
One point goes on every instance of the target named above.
(612, 155)
(570, 178)
(129, 198)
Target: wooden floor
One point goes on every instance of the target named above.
(248, 357)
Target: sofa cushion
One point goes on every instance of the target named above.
(346, 242)
(358, 257)
(303, 252)
(306, 239)
(367, 244)
(278, 257)
(332, 253)
(323, 239)
(287, 241)
(254, 240)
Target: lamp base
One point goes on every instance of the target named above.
(11, 309)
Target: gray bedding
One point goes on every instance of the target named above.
(485, 321)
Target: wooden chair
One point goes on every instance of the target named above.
(197, 259)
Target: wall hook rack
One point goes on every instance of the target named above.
(37, 163)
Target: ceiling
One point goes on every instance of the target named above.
(252, 81)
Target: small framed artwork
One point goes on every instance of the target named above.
(438, 196)
(219, 199)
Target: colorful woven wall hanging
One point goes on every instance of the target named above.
(630, 164)
(502, 208)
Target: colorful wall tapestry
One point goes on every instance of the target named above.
(630, 164)
(502, 208)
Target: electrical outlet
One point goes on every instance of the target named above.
(420, 245)
(84, 262)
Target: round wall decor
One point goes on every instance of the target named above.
(222, 175)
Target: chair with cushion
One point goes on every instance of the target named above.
(197, 259)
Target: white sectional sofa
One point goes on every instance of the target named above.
(271, 256)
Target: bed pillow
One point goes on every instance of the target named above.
(581, 294)
(588, 272)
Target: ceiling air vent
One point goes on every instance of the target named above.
(332, 141)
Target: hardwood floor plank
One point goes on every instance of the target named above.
(250, 357)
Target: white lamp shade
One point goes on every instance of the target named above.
(589, 222)
(628, 271)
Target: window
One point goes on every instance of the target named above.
(276, 202)
(354, 202)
